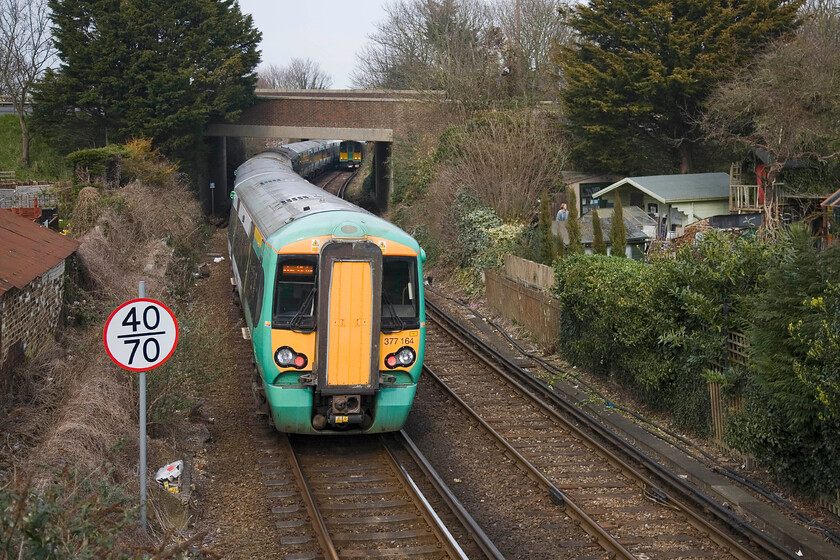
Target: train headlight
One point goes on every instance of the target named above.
(286, 357)
(403, 357)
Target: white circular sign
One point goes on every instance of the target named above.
(141, 334)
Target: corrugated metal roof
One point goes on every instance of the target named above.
(28, 250)
(678, 188)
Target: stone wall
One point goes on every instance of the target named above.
(29, 318)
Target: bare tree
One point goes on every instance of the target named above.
(787, 103)
(506, 161)
(531, 28)
(298, 74)
(26, 51)
(449, 45)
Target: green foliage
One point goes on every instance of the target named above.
(657, 327)
(713, 282)
(638, 74)
(45, 162)
(413, 171)
(484, 240)
(609, 321)
(793, 409)
(573, 225)
(599, 246)
(187, 370)
(618, 232)
(72, 518)
(96, 160)
(161, 70)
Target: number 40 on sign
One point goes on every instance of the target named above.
(141, 334)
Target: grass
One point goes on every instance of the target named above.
(45, 163)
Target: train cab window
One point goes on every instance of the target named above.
(294, 293)
(399, 294)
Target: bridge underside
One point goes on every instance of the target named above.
(223, 161)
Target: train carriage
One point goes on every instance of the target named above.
(350, 154)
(333, 302)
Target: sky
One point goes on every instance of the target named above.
(330, 32)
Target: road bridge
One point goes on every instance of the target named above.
(377, 116)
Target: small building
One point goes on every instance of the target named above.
(674, 201)
(583, 185)
(32, 265)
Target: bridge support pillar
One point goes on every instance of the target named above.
(382, 173)
(216, 200)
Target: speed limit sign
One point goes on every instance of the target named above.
(141, 334)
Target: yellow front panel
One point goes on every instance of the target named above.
(348, 361)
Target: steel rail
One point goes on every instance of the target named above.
(319, 525)
(675, 483)
(473, 529)
(444, 536)
(607, 541)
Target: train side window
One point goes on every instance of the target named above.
(241, 243)
(254, 285)
(399, 294)
(294, 292)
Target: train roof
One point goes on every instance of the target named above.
(276, 197)
(306, 145)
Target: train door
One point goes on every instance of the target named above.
(350, 288)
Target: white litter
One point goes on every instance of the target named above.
(218, 259)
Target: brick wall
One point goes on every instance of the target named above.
(28, 318)
(403, 115)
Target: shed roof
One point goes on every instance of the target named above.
(634, 232)
(28, 250)
(669, 189)
(832, 201)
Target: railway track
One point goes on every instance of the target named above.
(629, 514)
(335, 497)
(336, 181)
(340, 497)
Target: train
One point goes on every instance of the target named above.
(350, 154)
(332, 297)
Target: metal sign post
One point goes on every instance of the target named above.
(140, 335)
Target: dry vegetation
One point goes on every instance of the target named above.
(70, 421)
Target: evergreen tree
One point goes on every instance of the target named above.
(793, 412)
(640, 71)
(153, 69)
(618, 233)
(548, 245)
(599, 246)
(573, 225)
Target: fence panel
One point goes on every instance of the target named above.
(528, 306)
(529, 272)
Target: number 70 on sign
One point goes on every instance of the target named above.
(141, 334)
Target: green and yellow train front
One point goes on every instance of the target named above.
(343, 348)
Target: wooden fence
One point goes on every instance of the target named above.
(529, 272)
(528, 306)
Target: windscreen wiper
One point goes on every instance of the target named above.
(294, 324)
(393, 313)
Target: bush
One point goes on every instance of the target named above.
(484, 240)
(792, 415)
(612, 317)
(72, 518)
